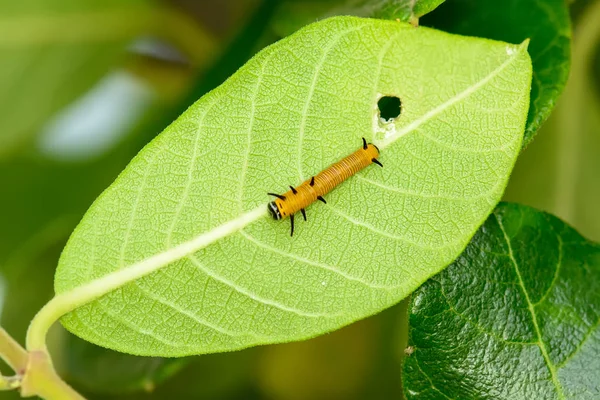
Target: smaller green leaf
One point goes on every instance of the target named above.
(515, 317)
(95, 369)
(294, 14)
(545, 22)
(230, 376)
(559, 172)
(404, 10)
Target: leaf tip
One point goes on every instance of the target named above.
(517, 48)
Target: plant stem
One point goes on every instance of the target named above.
(66, 302)
(10, 382)
(35, 374)
(12, 352)
(42, 380)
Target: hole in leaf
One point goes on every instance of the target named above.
(389, 108)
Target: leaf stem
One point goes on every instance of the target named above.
(66, 302)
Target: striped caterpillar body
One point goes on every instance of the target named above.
(313, 189)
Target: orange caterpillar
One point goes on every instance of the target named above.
(313, 189)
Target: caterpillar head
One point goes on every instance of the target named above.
(274, 210)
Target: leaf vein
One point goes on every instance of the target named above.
(314, 263)
(191, 169)
(588, 334)
(556, 271)
(476, 325)
(541, 344)
(136, 329)
(428, 196)
(387, 234)
(189, 314)
(429, 379)
(254, 296)
(332, 42)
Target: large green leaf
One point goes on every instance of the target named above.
(515, 317)
(52, 52)
(295, 108)
(545, 22)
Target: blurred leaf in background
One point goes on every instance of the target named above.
(360, 361)
(52, 52)
(111, 372)
(559, 172)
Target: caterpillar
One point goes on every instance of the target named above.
(313, 189)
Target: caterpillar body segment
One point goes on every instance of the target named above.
(313, 189)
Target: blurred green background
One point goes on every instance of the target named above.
(84, 84)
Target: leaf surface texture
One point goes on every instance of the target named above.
(515, 317)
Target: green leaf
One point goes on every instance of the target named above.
(545, 22)
(294, 14)
(515, 317)
(231, 375)
(405, 10)
(52, 52)
(95, 369)
(179, 208)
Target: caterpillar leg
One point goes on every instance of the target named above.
(320, 198)
(303, 211)
(292, 222)
(279, 196)
(364, 143)
(376, 161)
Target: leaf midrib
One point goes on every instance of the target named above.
(453, 100)
(531, 307)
